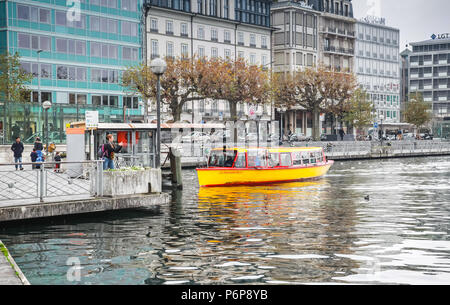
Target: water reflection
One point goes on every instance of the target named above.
(321, 231)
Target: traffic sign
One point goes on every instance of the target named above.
(91, 118)
(375, 125)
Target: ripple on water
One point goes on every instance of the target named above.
(321, 232)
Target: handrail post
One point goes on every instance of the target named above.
(41, 181)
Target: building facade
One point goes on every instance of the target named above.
(378, 67)
(75, 53)
(295, 47)
(429, 74)
(336, 34)
(212, 28)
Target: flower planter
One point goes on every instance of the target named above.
(131, 182)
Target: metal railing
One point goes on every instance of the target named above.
(42, 180)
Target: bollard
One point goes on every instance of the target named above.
(175, 168)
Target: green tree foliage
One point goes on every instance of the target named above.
(13, 79)
(417, 111)
(360, 112)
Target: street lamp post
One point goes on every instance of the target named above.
(158, 67)
(381, 127)
(39, 89)
(46, 105)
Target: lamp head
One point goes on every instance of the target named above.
(46, 105)
(158, 66)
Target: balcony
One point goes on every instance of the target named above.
(214, 39)
(443, 86)
(227, 41)
(184, 35)
(169, 33)
(442, 99)
(332, 49)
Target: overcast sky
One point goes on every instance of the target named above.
(416, 19)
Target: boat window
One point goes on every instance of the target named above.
(305, 157)
(257, 158)
(285, 159)
(319, 156)
(297, 158)
(312, 157)
(240, 160)
(274, 160)
(220, 158)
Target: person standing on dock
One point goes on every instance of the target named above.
(109, 149)
(341, 133)
(17, 148)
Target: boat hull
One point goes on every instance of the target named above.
(253, 176)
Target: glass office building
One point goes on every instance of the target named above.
(76, 51)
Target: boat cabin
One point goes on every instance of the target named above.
(266, 157)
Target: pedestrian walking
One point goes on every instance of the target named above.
(17, 148)
(108, 152)
(58, 162)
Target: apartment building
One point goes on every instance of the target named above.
(429, 73)
(378, 66)
(227, 29)
(295, 47)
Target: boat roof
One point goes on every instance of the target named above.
(273, 149)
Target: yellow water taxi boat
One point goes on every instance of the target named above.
(247, 166)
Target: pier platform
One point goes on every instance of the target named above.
(29, 209)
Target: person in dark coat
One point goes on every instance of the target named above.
(34, 157)
(341, 133)
(110, 149)
(17, 148)
(38, 144)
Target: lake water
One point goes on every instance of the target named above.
(324, 231)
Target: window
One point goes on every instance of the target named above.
(227, 36)
(184, 29)
(154, 25)
(81, 74)
(200, 33)
(61, 45)
(129, 28)
(60, 18)
(252, 40)
(252, 59)
(240, 54)
(227, 53)
(214, 34)
(214, 52)
(264, 42)
(131, 102)
(129, 5)
(95, 49)
(169, 27)
(155, 49)
(23, 41)
(44, 15)
(61, 72)
(23, 12)
(201, 51)
(184, 50)
(169, 51)
(241, 38)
